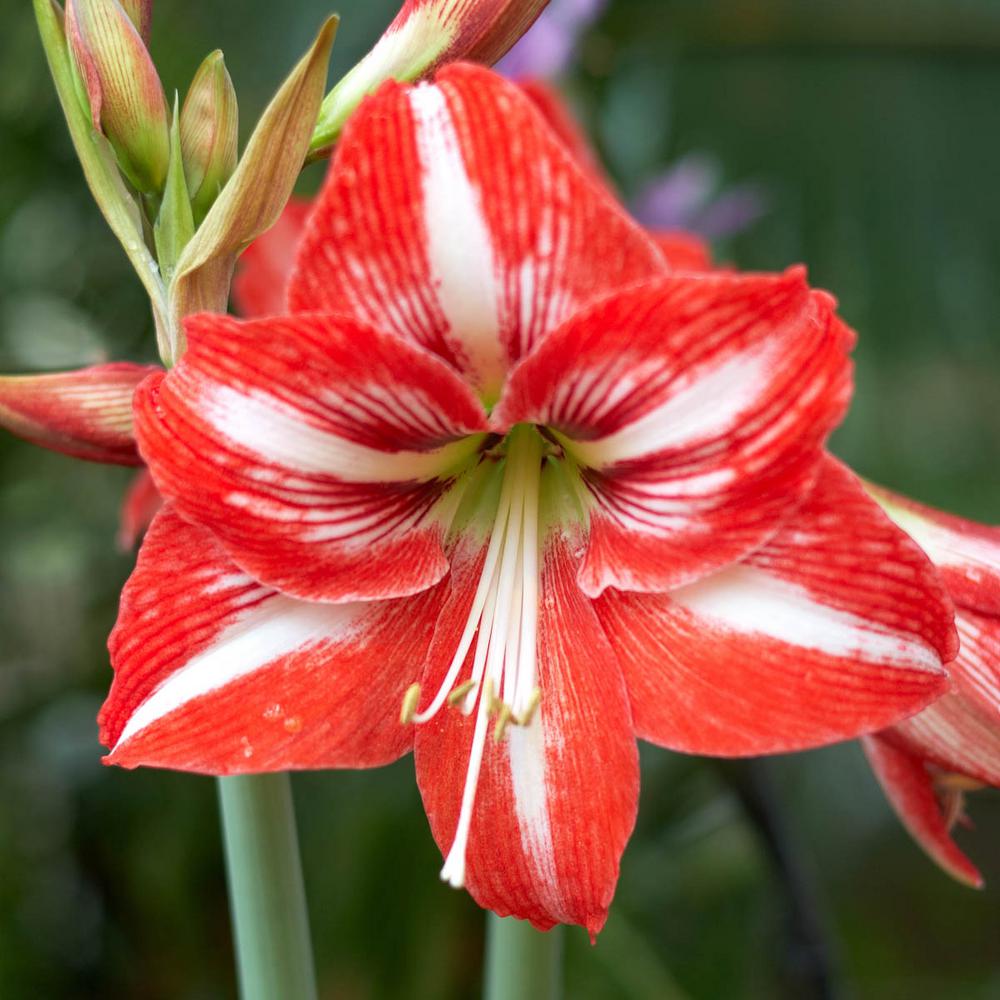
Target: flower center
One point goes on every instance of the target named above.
(503, 623)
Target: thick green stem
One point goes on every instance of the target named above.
(522, 962)
(267, 897)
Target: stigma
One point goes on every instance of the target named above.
(502, 687)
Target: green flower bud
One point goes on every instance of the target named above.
(123, 88)
(209, 132)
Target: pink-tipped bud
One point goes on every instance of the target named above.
(85, 413)
(423, 35)
(209, 133)
(126, 97)
(140, 12)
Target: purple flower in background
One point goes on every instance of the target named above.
(547, 49)
(687, 197)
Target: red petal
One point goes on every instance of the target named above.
(550, 104)
(452, 216)
(261, 281)
(960, 733)
(836, 627)
(314, 448)
(217, 674)
(85, 413)
(910, 789)
(556, 802)
(697, 406)
(140, 505)
(966, 553)
(684, 251)
(977, 670)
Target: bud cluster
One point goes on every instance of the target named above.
(168, 176)
(124, 97)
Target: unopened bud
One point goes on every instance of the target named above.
(423, 35)
(209, 133)
(140, 12)
(126, 97)
(85, 413)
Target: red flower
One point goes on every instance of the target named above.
(927, 764)
(501, 468)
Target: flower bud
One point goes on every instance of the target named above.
(140, 13)
(85, 413)
(126, 97)
(209, 133)
(425, 34)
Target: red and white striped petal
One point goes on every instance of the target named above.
(85, 413)
(966, 553)
(454, 217)
(960, 733)
(837, 627)
(261, 281)
(976, 672)
(215, 673)
(553, 108)
(556, 800)
(314, 448)
(696, 407)
(909, 787)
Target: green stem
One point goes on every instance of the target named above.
(266, 893)
(522, 962)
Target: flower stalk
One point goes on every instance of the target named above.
(522, 962)
(266, 891)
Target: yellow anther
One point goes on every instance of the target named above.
(529, 713)
(410, 700)
(504, 719)
(958, 783)
(460, 692)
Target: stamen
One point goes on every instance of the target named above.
(504, 719)
(529, 713)
(460, 692)
(503, 622)
(410, 701)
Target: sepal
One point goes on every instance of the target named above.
(85, 413)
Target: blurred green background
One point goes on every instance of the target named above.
(874, 129)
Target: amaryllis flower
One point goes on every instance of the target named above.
(499, 487)
(928, 763)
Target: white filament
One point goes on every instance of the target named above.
(504, 620)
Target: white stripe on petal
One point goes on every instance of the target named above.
(460, 249)
(976, 555)
(709, 405)
(280, 434)
(527, 771)
(748, 600)
(270, 630)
